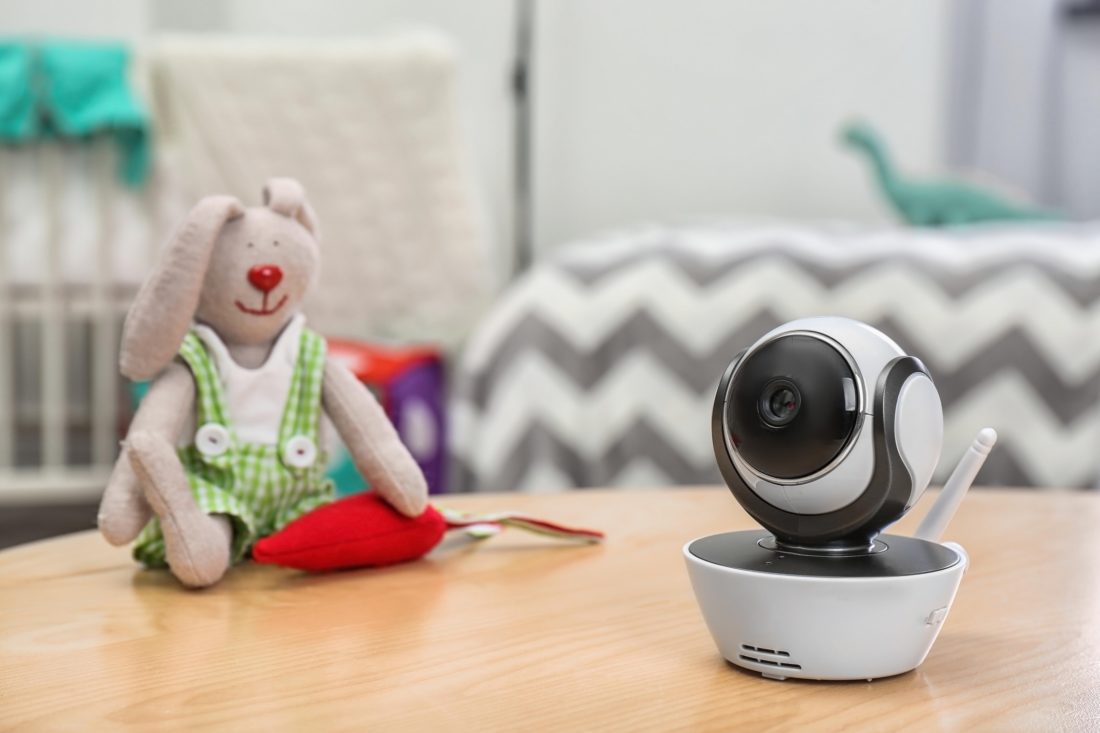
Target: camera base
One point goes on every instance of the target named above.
(809, 616)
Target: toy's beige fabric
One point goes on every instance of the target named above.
(371, 128)
(162, 312)
(371, 439)
(198, 546)
(208, 275)
(164, 411)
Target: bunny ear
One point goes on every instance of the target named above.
(287, 197)
(307, 218)
(162, 311)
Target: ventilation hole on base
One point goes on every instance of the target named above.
(764, 650)
(759, 661)
(769, 662)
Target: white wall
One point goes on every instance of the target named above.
(125, 19)
(646, 109)
(668, 110)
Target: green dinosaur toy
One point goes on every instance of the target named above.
(936, 203)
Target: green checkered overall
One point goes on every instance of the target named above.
(251, 483)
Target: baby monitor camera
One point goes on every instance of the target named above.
(826, 432)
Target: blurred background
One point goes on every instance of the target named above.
(547, 226)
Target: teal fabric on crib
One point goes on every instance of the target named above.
(73, 89)
(17, 113)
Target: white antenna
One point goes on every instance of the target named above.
(941, 513)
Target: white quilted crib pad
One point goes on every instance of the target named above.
(371, 128)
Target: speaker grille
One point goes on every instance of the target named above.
(756, 654)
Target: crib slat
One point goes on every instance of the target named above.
(53, 315)
(7, 378)
(104, 379)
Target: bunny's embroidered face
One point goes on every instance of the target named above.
(243, 272)
(261, 267)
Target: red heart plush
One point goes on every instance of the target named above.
(357, 531)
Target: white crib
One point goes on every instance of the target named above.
(73, 246)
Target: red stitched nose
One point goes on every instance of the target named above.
(265, 278)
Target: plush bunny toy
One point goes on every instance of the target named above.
(224, 448)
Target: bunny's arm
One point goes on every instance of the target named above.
(372, 440)
(123, 512)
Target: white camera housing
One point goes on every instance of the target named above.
(826, 432)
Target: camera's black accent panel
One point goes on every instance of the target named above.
(787, 411)
(903, 556)
(891, 481)
(882, 502)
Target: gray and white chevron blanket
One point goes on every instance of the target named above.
(598, 367)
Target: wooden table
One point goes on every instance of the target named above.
(521, 633)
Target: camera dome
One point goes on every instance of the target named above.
(826, 431)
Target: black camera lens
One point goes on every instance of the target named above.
(790, 409)
(779, 403)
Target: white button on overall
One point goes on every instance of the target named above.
(212, 439)
(299, 452)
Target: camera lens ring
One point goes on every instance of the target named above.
(736, 446)
(779, 403)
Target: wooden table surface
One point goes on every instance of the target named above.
(520, 633)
